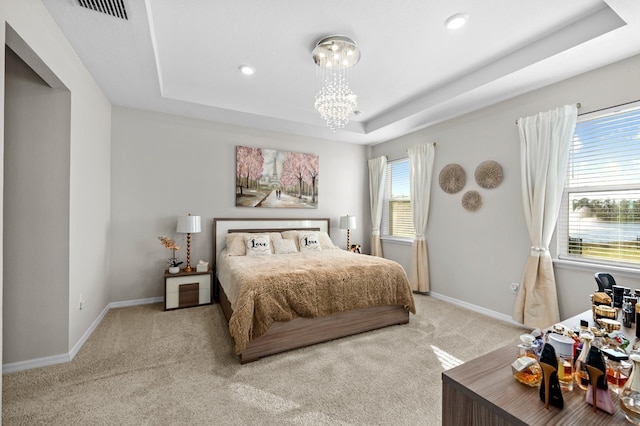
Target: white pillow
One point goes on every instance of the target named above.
(284, 247)
(309, 241)
(325, 241)
(235, 244)
(293, 236)
(257, 245)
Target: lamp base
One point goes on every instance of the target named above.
(188, 267)
(347, 239)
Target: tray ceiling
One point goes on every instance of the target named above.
(182, 57)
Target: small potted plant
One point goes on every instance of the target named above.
(174, 265)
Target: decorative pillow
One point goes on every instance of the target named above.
(257, 244)
(325, 241)
(273, 237)
(284, 246)
(235, 244)
(291, 235)
(309, 241)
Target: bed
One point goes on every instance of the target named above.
(291, 298)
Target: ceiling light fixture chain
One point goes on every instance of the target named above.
(335, 101)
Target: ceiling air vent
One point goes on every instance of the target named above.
(109, 7)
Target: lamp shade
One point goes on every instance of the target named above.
(188, 224)
(347, 222)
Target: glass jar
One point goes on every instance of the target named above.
(617, 374)
(581, 374)
(630, 395)
(526, 368)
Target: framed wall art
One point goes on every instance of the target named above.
(272, 178)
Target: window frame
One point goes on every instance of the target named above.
(562, 226)
(387, 199)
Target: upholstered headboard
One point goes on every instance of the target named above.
(223, 226)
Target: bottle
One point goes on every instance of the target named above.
(627, 313)
(630, 395)
(526, 368)
(581, 375)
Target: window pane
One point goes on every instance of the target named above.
(605, 151)
(400, 180)
(401, 223)
(605, 225)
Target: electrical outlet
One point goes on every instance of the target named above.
(514, 287)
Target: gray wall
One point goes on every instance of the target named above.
(31, 32)
(36, 215)
(475, 256)
(166, 166)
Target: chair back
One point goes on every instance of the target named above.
(604, 280)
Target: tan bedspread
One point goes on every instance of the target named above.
(283, 287)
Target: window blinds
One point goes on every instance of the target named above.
(397, 217)
(600, 218)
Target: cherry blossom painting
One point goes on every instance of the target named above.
(272, 178)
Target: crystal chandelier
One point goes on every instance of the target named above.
(335, 102)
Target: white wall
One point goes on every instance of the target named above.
(36, 215)
(29, 29)
(475, 256)
(166, 166)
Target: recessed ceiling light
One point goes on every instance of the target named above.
(246, 69)
(456, 21)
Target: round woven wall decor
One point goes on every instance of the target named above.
(452, 178)
(489, 174)
(471, 201)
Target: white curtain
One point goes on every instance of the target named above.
(545, 140)
(377, 177)
(421, 160)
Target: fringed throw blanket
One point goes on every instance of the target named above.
(283, 287)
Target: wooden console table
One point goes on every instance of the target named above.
(483, 391)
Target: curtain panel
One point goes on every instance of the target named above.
(421, 159)
(545, 140)
(377, 178)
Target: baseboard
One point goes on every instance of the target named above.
(61, 358)
(35, 363)
(476, 308)
(127, 303)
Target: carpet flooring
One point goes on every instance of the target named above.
(144, 366)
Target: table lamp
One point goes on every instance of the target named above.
(188, 225)
(348, 222)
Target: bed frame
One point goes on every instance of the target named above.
(299, 332)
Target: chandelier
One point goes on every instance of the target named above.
(335, 102)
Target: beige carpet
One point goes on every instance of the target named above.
(145, 366)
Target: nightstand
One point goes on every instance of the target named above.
(187, 289)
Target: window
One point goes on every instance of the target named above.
(397, 217)
(600, 216)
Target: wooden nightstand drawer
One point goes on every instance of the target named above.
(186, 289)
